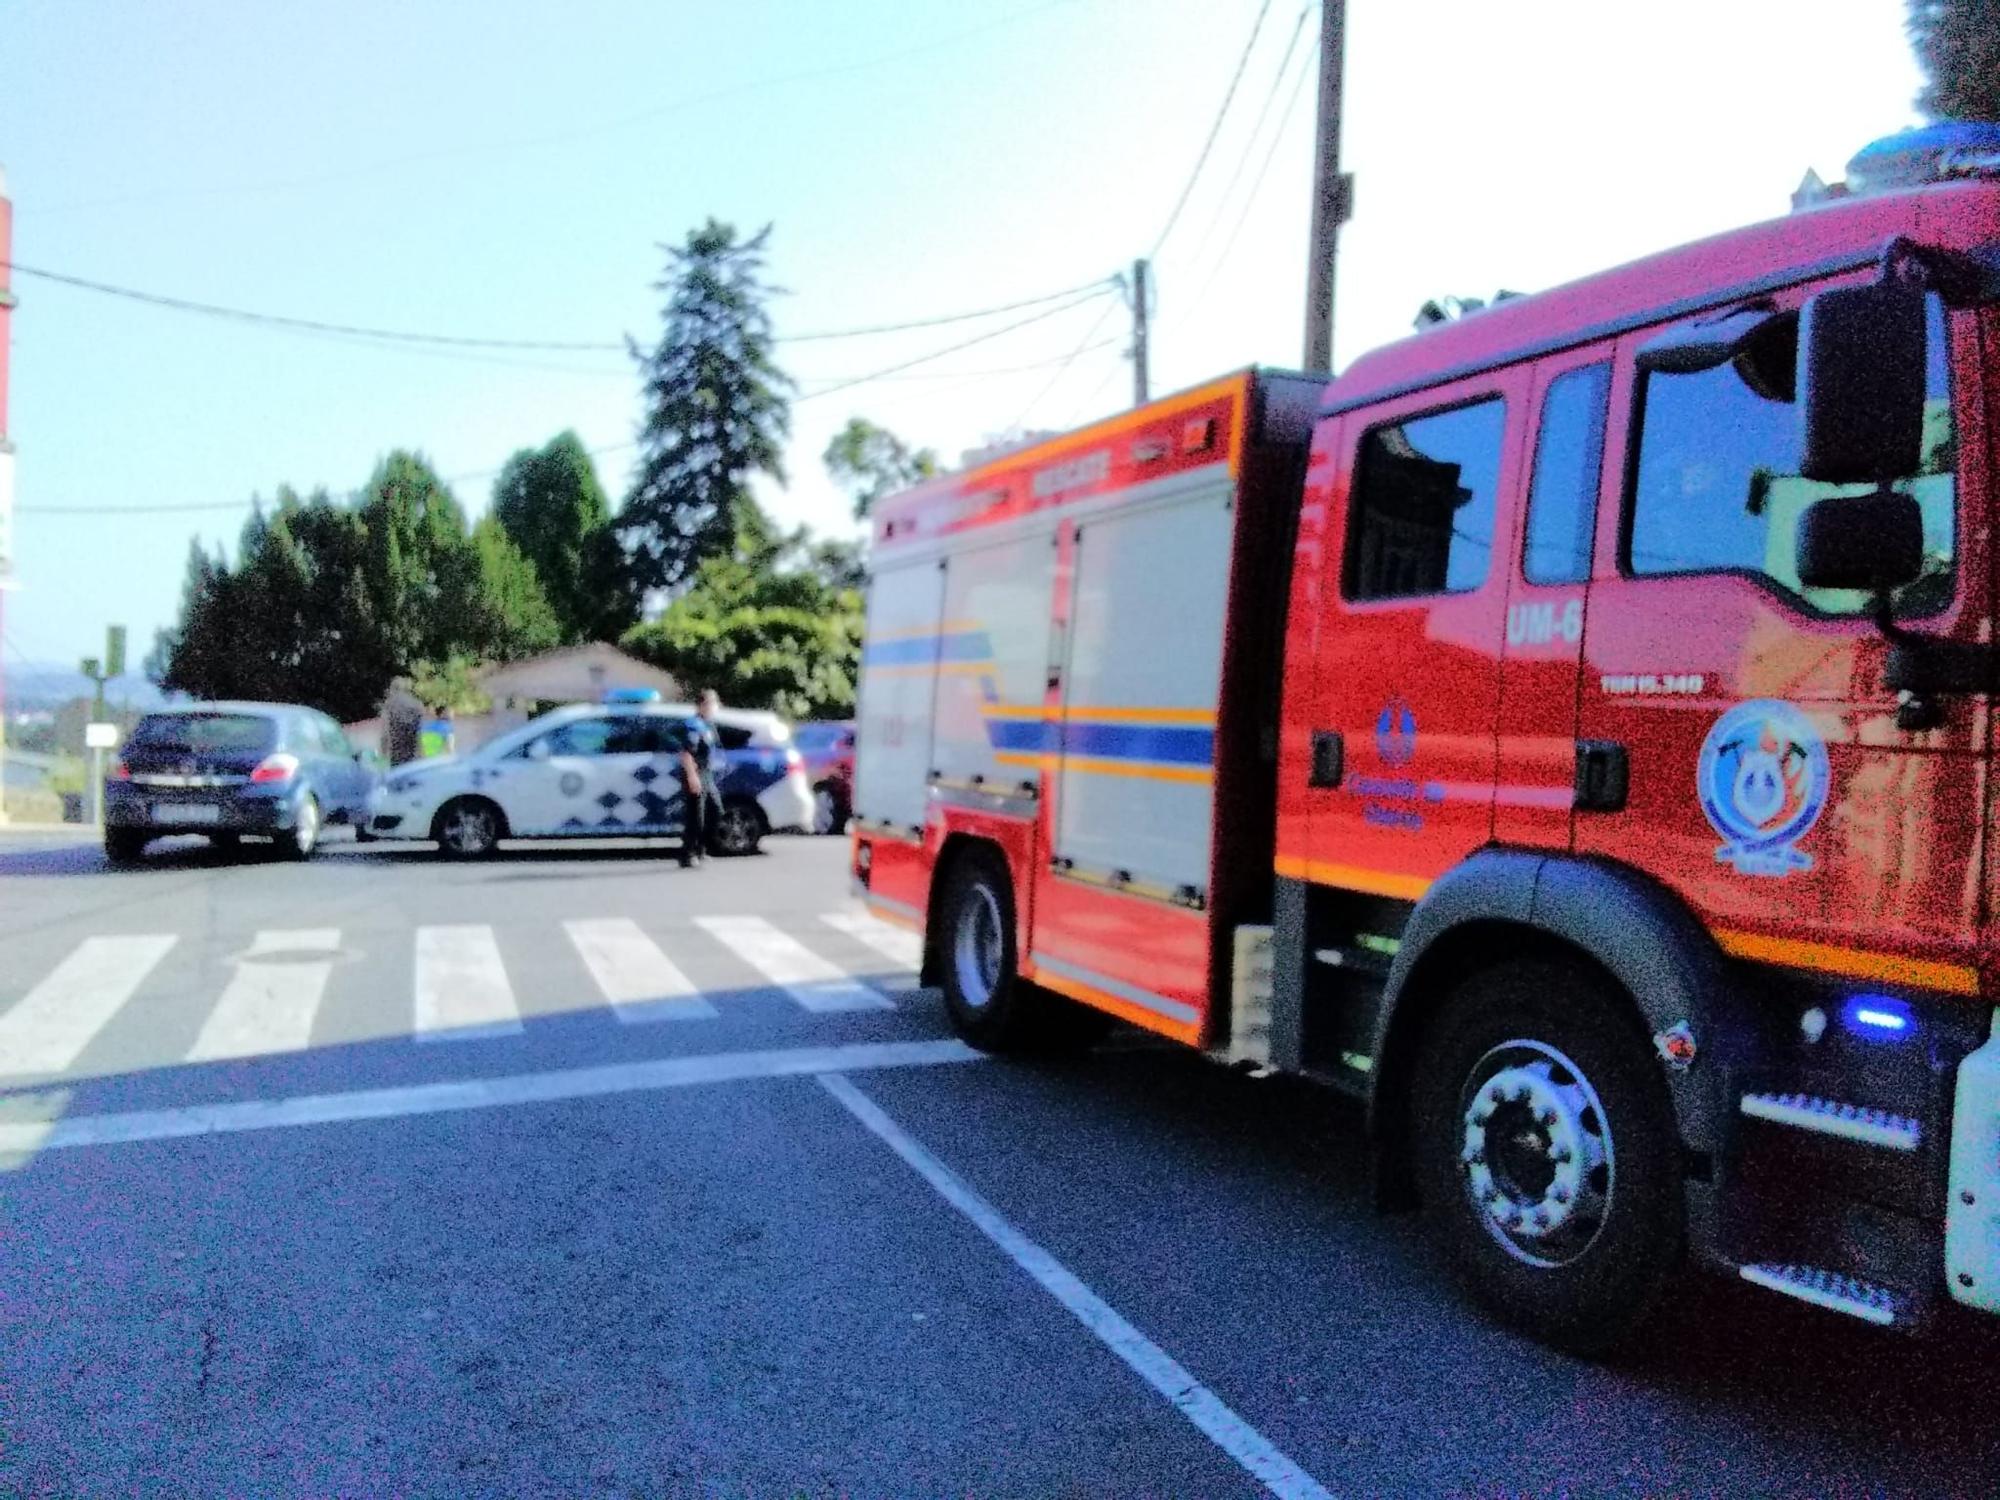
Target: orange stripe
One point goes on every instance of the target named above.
(889, 914)
(1353, 877)
(1138, 1015)
(1856, 963)
(1145, 416)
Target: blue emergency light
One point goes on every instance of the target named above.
(1948, 150)
(632, 695)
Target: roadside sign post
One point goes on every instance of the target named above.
(98, 738)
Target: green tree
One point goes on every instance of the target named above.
(423, 572)
(717, 410)
(763, 635)
(192, 655)
(1958, 45)
(551, 505)
(518, 619)
(871, 463)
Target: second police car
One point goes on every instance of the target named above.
(597, 771)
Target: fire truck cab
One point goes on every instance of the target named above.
(1568, 732)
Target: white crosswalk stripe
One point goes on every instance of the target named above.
(639, 980)
(279, 983)
(897, 944)
(56, 1020)
(462, 992)
(271, 999)
(812, 981)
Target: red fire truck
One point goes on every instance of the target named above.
(1568, 732)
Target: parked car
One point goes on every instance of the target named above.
(607, 770)
(229, 770)
(828, 749)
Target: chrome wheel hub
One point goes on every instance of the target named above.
(1537, 1156)
(979, 947)
(465, 831)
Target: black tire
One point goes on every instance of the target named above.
(123, 846)
(830, 809)
(1546, 1152)
(739, 830)
(989, 1004)
(303, 838)
(468, 828)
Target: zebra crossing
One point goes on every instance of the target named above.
(461, 988)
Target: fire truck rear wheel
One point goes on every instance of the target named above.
(1546, 1152)
(988, 1004)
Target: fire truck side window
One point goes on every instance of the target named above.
(1717, 488)
(1569, 451)
(1421, 518)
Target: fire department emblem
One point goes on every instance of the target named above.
(1763, 783)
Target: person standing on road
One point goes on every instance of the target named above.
(703, 808)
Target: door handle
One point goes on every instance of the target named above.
(1603, 776)
(1328, 758)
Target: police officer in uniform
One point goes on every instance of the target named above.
(703, 808)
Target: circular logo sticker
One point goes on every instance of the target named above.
(1396, 733)
(1763, 783)
(571, 783)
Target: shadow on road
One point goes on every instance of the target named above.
(1924, 1404)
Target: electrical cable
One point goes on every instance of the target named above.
(1256, 133)
(1256, 184)
(1213, 130)
(459, 341)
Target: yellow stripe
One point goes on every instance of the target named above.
(1097, 766)
(924, 668)
(1200, 717)
(1354, 878)
(1138, 1015)
(1856, 963)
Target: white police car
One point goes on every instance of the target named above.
(596, 771)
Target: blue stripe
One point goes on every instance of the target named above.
(1163, 744)
(922, 650)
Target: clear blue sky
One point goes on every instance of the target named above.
(501, 169)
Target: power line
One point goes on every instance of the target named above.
(1213, 131)
(964, 317)
(1256, 132)
(459, 341)
(1256, 183)
(922, 359)
(1071, 358)
(308, 325)
(213, 506)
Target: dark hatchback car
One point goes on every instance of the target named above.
(267, 770)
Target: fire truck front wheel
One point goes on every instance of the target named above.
(1547, 1154)
(987, 1005)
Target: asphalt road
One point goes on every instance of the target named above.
(573, 1173)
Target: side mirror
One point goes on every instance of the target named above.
(1861, 384)
(1871, 542)
(538, 750)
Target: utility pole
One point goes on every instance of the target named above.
(1333, 191)
(1140, 272)
(6, 457)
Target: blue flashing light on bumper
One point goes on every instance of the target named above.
(1877, 1016)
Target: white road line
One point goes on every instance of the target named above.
(479, 1093)
(48, 1030)
(462, 992)
(639, 980)
(1258, 1455)
(792, 966)
(270, 1002)
(899, 945)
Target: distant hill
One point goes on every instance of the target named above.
(50, 685)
